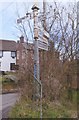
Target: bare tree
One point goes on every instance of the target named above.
(62, 27)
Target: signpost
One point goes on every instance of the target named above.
(43, 39)
(41, 42)
(42, 45)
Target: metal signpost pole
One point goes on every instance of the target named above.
(36, 51)
(40, 42)
(36, 58)
(38, 84)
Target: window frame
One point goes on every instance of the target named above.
(2, 54)
(12, 55)
(12, 66)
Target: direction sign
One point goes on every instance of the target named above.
(43, 39)
(42, 45)
(46, 34)
(43, 32)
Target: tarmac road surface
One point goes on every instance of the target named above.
(6, 103)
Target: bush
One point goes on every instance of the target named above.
(31, 109)
(2, 73)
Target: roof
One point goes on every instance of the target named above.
(7, 45)
(24, 45)
(10, 45)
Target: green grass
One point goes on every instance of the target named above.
(24, 109)
(75, 94)
(0, 78)
(29, 109)
(7, 84)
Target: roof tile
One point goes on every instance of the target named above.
(7, 45)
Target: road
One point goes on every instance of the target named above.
(6, 103)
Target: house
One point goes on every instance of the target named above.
(24, 52)
(13, 55)
(7, 55)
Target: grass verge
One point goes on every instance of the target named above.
(7, 85)
(30, 109)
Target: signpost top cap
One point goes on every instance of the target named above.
(35, 7)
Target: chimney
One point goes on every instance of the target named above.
(22, 39)
(17, 41)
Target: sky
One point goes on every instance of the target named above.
(9, 10)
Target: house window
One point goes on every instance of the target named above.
(12, 66)
(13, 54)
(1, 53)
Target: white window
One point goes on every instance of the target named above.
(13, 54)
(1, 53)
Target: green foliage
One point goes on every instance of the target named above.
(75, 94)
(8, 85)
(24, 109)
(0, 78)
(27, 108)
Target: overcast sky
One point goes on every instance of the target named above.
(8, 15)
